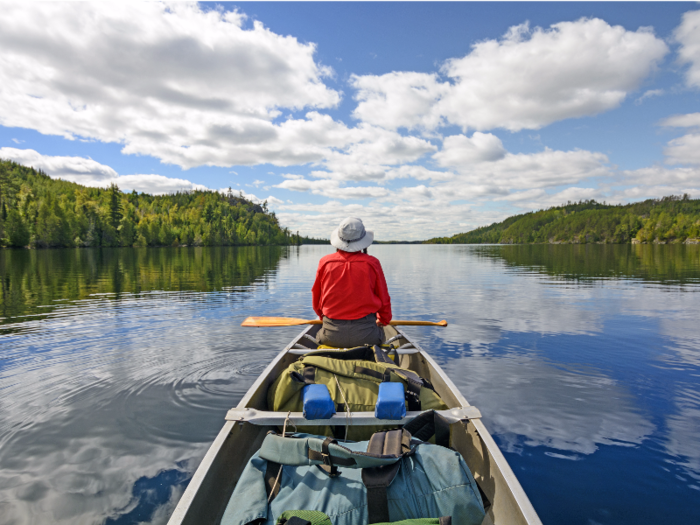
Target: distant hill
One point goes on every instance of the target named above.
(41, 212)
(673, 219)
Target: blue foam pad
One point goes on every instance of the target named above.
(317, 402)
(391, 402)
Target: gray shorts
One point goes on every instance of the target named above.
(348, 334)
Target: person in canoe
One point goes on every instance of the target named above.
(350, 294)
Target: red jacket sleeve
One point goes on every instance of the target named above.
(316, 292)
(382, 291)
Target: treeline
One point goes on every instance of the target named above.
(672, 219)
(41, 212)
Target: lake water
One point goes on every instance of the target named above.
(118, 366)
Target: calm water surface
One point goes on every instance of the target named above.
(117, 368)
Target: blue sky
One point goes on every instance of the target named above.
(423, 119)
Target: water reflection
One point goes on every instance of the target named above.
(123, 382)
(570, 409)
(583, 359)
(675, 263)
(32, 281)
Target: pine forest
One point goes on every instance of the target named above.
(669, 220)
(40, 212)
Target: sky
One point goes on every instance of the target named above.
(423, 119)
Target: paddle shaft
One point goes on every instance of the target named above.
(291, 321)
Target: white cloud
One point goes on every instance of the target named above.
(684, 150)
(399, 99)
(648, 94)
(91, 173)
(332, 189)
(548, 168)
(526, 80)
(170, 80)
(678, 178)
(688, 35)
(539, 199)
(689, 120)
(271, 200)
(74, 169)
(372, 153)
(459, 150)
(418, 172)
(154, 184)
(437, 208)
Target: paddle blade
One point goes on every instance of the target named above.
(277, 321)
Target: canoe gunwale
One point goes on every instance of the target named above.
(507, 500)
(521, 500)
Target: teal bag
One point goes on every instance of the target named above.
(394, 476)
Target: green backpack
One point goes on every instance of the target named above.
(315, 517)
(352, 377)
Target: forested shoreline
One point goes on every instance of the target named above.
(669, 220)
(37, 211)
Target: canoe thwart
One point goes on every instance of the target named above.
(302, 351)
(265, 418)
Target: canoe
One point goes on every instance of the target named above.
(206, 496)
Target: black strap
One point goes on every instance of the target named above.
(430, 424)
(380, 356)
(413, 383)
(360, 353)
(308, 375)
(413, 396)
(369, 372)
(296, 520)
(389, 443)
(343, 462)
(328, 463)
(377, 480)
(271, 473)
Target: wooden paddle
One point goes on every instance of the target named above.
(291, 321)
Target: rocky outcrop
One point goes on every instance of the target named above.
(692, 241)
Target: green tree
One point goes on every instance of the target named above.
(16, 230)
(115, 205)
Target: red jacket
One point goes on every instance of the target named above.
(350, 286)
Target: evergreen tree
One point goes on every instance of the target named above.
(16, 231)
(115, 205)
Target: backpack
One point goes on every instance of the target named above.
(396, 475)
(352, 377)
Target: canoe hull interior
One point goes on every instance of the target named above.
(210, 489)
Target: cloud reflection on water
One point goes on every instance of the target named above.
(104, 393)
(101, 396)
(528, 402)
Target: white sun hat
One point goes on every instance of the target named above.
(351, 236)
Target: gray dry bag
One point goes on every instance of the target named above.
(394, 476)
